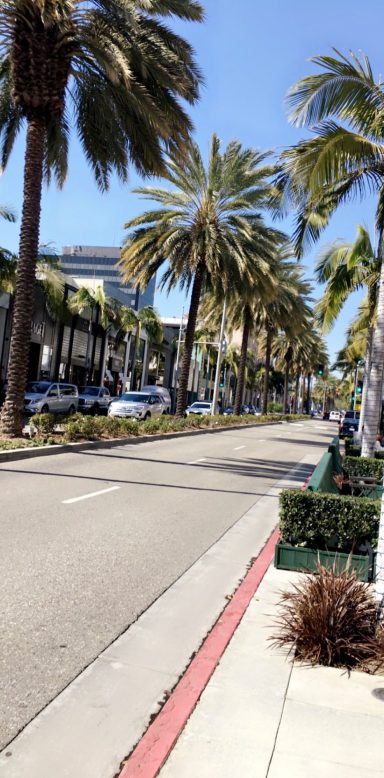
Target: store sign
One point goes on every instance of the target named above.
(38, 328)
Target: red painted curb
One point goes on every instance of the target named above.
(156, 744)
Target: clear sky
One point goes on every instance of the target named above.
(250, 52)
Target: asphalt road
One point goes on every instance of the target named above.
(90, 539)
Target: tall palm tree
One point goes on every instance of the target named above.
(148, 318)
(88, 299)
(344, 106)
(345, 268)
(205, 229)
(120, 72)
(283, 310)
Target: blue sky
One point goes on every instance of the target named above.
(250, 52)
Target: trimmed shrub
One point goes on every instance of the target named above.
(44, 422)
(275, 407)
(320, 520)
(331, 619)
(351, 450)
(370, 468)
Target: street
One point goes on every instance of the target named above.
(91, 539)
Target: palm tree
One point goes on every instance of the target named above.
(345, 268)
(286, 311)
(344, 106)
(148, 318)
(88, 299)
(205, 229)
(121, 73)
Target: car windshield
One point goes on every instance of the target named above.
(38, 387)
(200, 405)
(131, 397)
(91, 390)
(352, 415)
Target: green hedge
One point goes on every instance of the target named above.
(328, 521)
(371, 468)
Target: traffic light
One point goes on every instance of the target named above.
(320, 370)
(359, 387)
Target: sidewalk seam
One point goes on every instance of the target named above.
(280, 720)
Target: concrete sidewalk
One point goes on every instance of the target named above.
(261, 717)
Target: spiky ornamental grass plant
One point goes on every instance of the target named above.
(331, 619)
(116, 69)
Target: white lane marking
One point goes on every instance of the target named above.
(90, 494)
(195, 461)
(238, 448)
(262, 440)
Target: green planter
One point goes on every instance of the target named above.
(305, 560)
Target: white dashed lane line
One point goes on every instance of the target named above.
(196, 461)
(90, 494)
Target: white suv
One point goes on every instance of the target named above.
(137, 405)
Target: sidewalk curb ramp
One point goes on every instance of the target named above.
(46, 451)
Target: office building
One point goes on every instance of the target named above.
(99, 262)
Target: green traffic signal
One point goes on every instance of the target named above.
(320, 370)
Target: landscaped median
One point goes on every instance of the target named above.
(49, 430)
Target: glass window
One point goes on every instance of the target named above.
(67, 390)
(53, 392)
(38, 387)
(133, 397)
(93, 391)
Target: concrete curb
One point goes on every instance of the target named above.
(45, 451)
(153, 749)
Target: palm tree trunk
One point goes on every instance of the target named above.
(243, 360)
(375, 387)
(367, 371)
(268, 352)
(11, 419)
(308, 403)
(297, 391)
(189, 338)
(286, 387)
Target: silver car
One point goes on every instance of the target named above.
(48, 397)
(137, 405)
(200, 408)
(94, 399)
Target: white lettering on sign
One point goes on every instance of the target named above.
(37, 328)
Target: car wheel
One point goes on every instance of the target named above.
(45, 409)
(96, 409)
(164, 413)
(147, 416)
(71, 410)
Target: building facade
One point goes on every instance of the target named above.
(100, 262)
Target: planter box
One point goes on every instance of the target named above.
(305, 560)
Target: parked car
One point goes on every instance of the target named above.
(231, 409)
(200, 408)
(334, 416)
(349, 425)
(94, 399)
(48, 397)
(162, 392)
(137, 405)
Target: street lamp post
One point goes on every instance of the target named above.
(218, 366)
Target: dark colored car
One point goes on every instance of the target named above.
(349, 425)
(94, 399)
(231, 410)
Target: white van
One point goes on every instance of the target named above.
(162, 392)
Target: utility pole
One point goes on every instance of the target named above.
(218, 366)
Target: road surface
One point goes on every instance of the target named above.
(90, 539)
